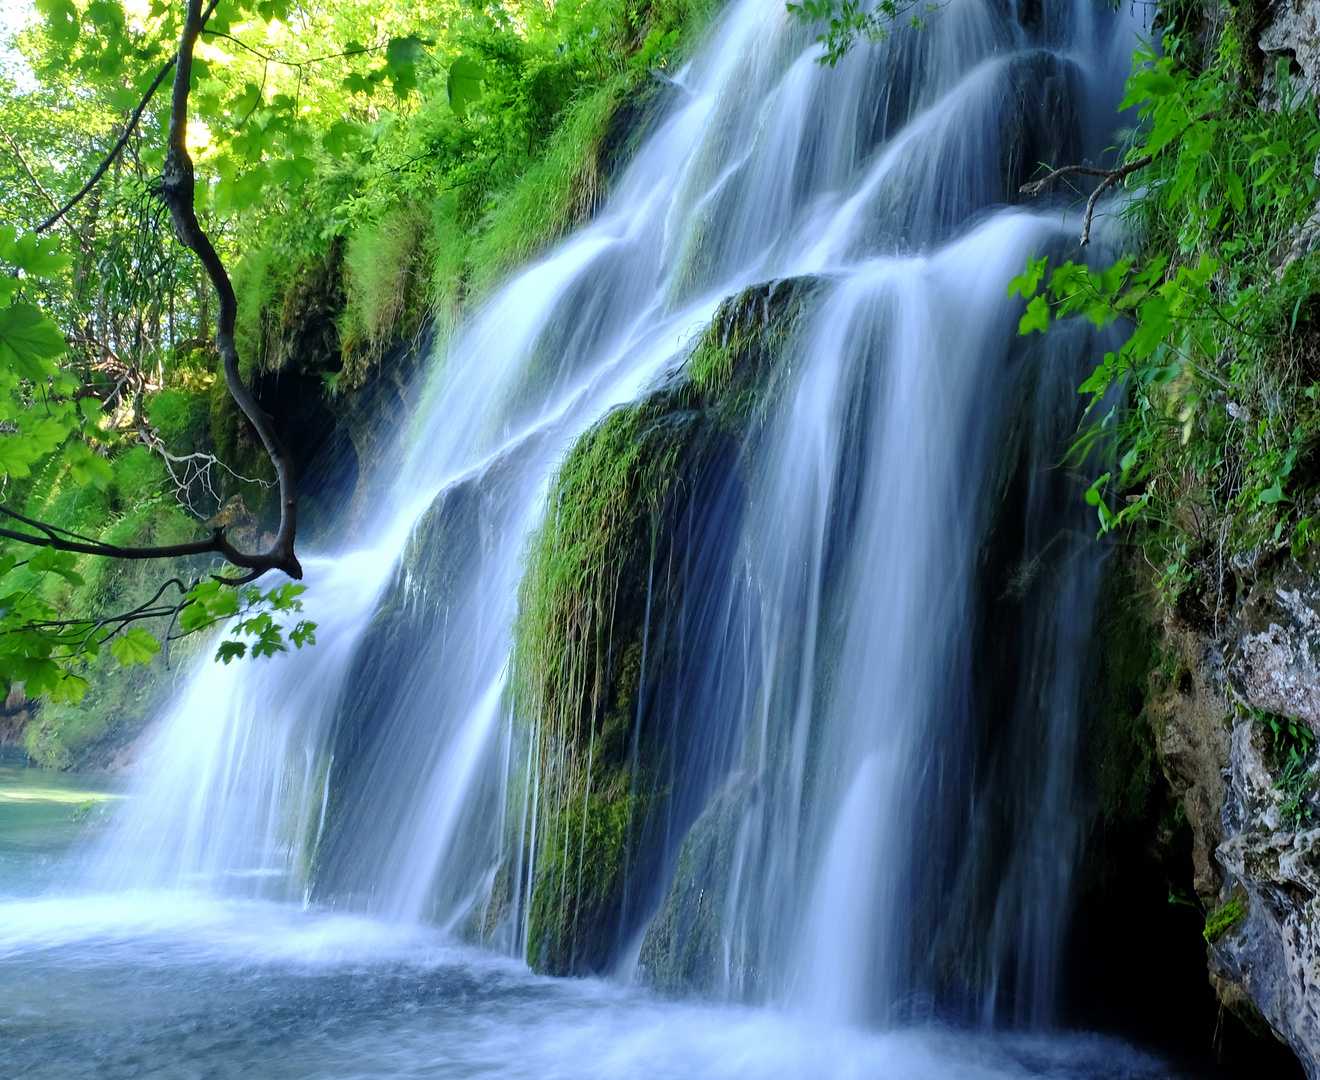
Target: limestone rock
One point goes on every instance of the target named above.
(1248, 848)
(1276, 663)
(1193, 743)
(1274, 954)
(1293, 34)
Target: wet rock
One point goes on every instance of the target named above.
(684, 947)
(620, 592)
(1255, 844)
(1273, 956)
(1193, 742)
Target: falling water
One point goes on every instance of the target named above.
(893, 599)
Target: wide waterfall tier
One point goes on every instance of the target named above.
(755, 482)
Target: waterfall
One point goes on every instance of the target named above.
(888, 732)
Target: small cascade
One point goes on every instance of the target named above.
(855, 718)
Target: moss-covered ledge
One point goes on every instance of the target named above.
(598, 601)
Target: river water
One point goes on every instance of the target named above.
(183, 985)
(178, 985)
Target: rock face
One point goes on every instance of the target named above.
(1275, 660)
(1273, 953)
(1293, 35)
(1224, 741)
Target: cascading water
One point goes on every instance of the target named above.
(872, 676)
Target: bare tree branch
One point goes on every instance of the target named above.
(114, 153)
(216, 544)
(176, 191)
(1110, 177)
(291, 63)
(197, 468)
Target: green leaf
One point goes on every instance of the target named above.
(356, 83)
(294, 171)
(401, 58)
(61, 685)
(36, 256)
(464, 86)
(1272, 494)
(285, 598)
(29, 341)
(194, 616)
(49, 561)
(1101, 378)
(245, 103)
(1037, 316)
(134, 646)
(272, 10)
(43, 433)
(86, 467)
(1025, 285)
(231, 650)
(340, 138)
(15, 456)
(1095, 494)
(62, 20)
(1233, 185)
(246, 191)
(269, 642)
(207, 603)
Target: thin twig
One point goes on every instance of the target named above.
(13, 147)
(292, 63)
(1035, 187)
(114, 153)
(197, 467)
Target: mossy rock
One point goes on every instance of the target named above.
(598, 628)
(684, 946)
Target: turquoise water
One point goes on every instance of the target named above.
(180, 988)
(168, 985)
(45, 819)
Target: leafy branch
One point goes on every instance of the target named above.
(847, 22)
(1210, 403)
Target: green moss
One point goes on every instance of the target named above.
(1222, 920)
(559, 191)
(181, 417)
(574, 907)
(260, 279)
(590, 605)
(1120, 744)
(386, 297)
(710, 366)
(578, 642)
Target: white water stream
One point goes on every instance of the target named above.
(886, 177)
